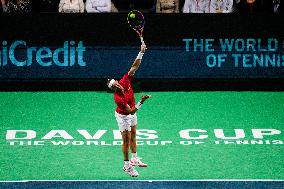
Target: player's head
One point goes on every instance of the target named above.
(114, 85)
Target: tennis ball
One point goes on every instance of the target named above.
(132, 15)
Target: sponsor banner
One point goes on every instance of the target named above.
(196, 58)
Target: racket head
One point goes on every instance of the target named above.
(136, 21)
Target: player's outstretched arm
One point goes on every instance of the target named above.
(138, 105)
(137, 61)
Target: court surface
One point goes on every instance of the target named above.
(169, 114)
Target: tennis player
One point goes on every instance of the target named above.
(125, 114)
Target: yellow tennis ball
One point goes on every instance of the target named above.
(132, 15)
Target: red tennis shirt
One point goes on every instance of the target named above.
(127, 97)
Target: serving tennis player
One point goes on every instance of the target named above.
(125, 114)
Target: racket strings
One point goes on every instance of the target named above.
(136, 21)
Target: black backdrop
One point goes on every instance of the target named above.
(160, 29)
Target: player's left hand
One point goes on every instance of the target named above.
(145, 97)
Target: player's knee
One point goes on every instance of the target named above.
(125, 137)
(133, 131)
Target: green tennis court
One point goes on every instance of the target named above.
(169, 115)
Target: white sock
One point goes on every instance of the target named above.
(134, 155)
(126, 163)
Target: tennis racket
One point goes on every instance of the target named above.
(136, 21)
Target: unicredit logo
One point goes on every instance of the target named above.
(18, 53)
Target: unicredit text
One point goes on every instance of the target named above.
(18, 53)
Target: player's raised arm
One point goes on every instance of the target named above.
(137, 61)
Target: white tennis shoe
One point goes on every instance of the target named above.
(130, 170)
(137, 162)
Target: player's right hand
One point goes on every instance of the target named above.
(143, 48)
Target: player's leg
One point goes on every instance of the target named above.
(133, 139)
(125, 145)
(124, 127)
(135, 160)
(125, 148)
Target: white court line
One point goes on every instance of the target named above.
(195, 180)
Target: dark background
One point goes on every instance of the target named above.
(112, 29)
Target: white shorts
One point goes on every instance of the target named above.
(125, 122)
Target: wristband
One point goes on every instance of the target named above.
(142, 40)
(138, 105)
(139, 56)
